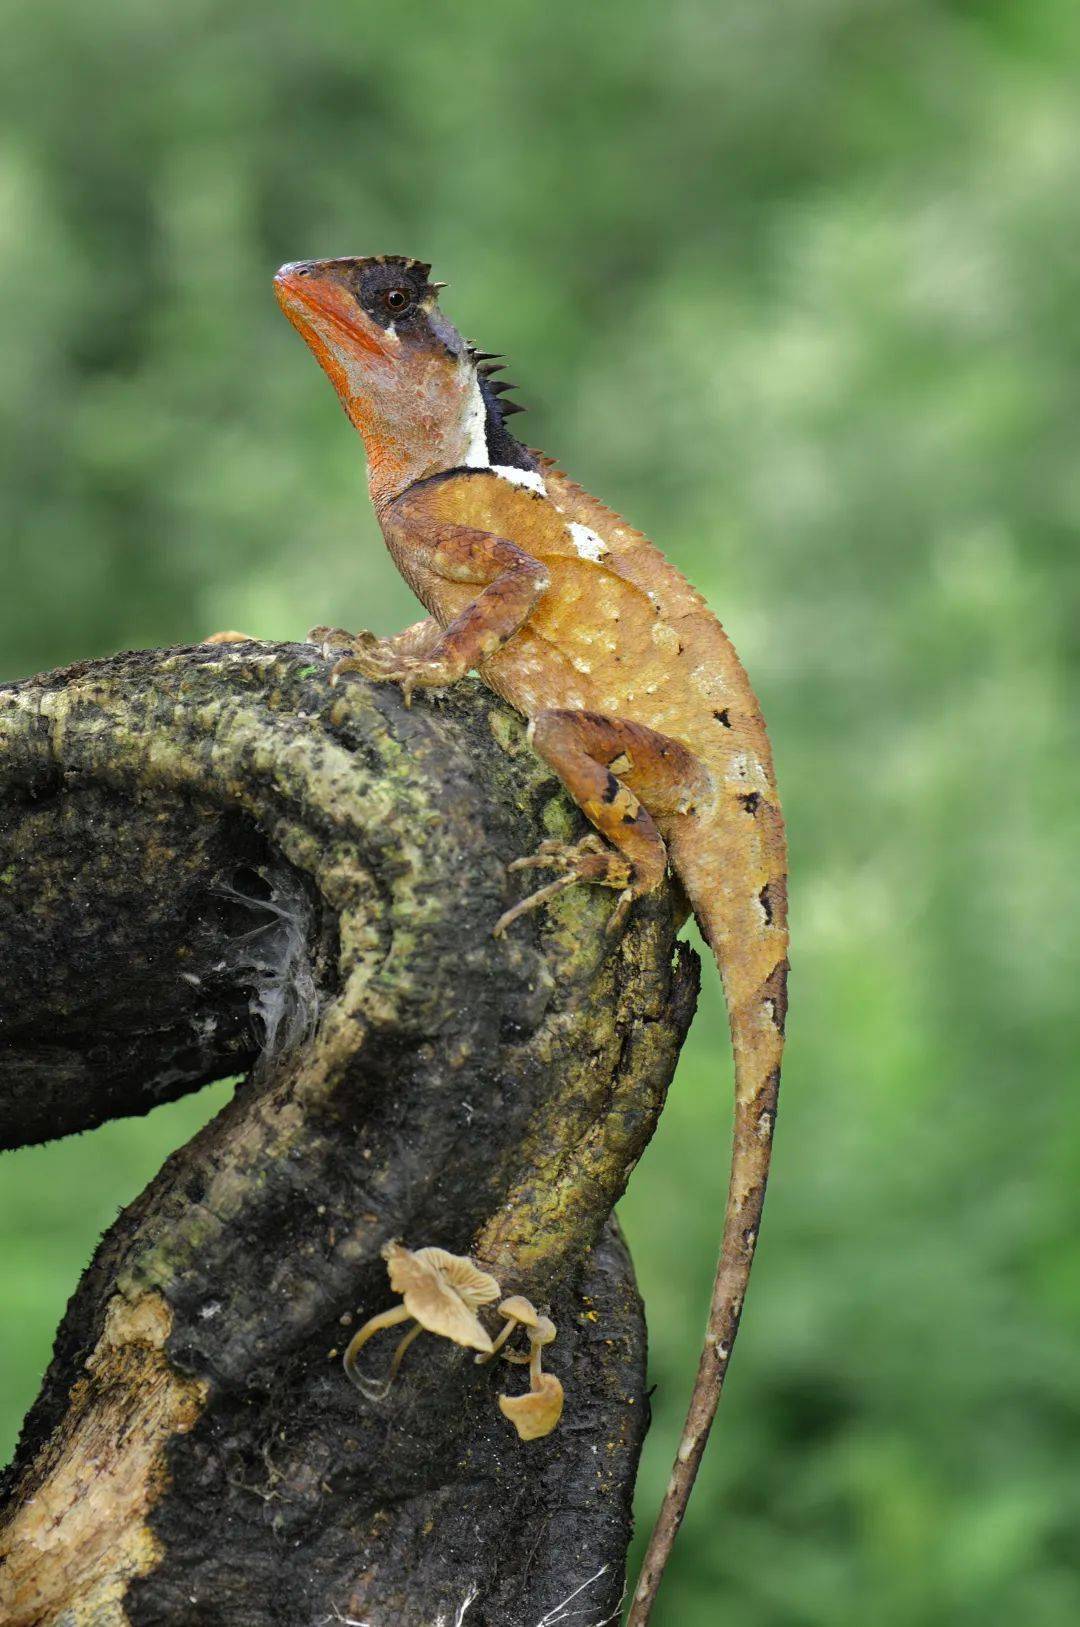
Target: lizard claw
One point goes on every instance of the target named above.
(332, 638)
(367, 654)
(377, 660)
(230, 637)
(617, 919)
(533, 902)
(590, 861)
(553, 854)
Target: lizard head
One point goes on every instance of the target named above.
(407, 379)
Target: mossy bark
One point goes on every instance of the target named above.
(212, 863)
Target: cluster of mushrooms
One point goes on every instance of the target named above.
(441, 1293)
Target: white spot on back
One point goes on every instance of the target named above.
(709, 683)
(587, 543)
(745, 770)
(531, 479)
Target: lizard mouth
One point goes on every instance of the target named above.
(314, 302)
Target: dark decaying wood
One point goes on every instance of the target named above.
(212, 863)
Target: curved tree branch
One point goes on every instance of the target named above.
(212, 863)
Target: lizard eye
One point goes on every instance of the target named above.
(396, 299)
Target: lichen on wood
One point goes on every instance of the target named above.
(212, 863)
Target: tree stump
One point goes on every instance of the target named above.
(214, 864)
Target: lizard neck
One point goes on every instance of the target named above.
(465, 429)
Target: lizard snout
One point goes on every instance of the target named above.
(294, 268)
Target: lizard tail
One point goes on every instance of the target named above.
(744, 919)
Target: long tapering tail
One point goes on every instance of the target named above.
(744, 918)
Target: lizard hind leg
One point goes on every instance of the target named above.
(620, 774)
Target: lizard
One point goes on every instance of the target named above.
(632, 692)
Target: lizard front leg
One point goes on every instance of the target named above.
(417, 640)
(620, 774)
(511, 582)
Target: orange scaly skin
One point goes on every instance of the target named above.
(634, 693)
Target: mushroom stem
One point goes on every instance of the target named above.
(539, 1336)
(498, 1342)
(403, 1345)
(375, 1324)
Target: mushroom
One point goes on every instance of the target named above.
(441, 1293)
(541, 1333)
(517, 1310)
(537, 1411)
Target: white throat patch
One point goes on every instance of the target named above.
(476, 448)
(476, 452)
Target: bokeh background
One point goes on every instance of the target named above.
(796, 287)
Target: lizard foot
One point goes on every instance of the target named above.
(591, 861)
(381, 660)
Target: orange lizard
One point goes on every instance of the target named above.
(634, 696)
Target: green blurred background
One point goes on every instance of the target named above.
(795, 285)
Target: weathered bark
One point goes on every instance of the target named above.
(212, 863)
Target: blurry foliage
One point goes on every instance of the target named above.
(795, 286)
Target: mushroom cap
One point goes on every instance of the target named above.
(442, 1291)
(544, 1331)
(476, 1287)
(535, 1413)
(520, 1309)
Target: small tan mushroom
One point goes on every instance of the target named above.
(535, 1413)
(517, 1310)
(540, 1334)
(441, 1293)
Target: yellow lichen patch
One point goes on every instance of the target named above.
(79, 1533)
